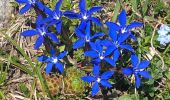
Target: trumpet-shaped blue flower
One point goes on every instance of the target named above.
(42, 32)
(85, 15)
(54, 17)
(85, 37)
(138, 68)
(29, 4)
(100, 52)
(98, 80)
(122, 28)
(53, 60)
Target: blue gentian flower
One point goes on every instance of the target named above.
(117, 43)
(138, 68)
(29, 4)
(122, 28)
(164, 37)
(100, 52)
(85, 37)
(42, 32)
(53, 60)
(85, 15)
(97, 80)
(54, 17)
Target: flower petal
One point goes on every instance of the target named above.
(43, 58)
(143, 64)
(107, 74)
(53, 37)
(96, 70)
(109, 50)
(48, 68)
(134, 25)
(116, 55)
(40, 6)
(99, 46)
(98, 34)
(58, 27)
(62, 54)
(60, 67)
(82, 6)
(29, 33)
(127, 71)
(94, 9)
(137, 81)
(113, 26)
(71, 15)
(106, 83)
(48, 19)
(58, 5)
(110, 61)
(127, 47)
(96, 21)
(95, 89)
(79, 33)
(145, 74)
(82, 24)
(88, 79)
(78, 44)
(106, 43)
(96, 61)
(134, 60)
(91, 53)
(25, 8)
(53, 52)
(123, 37)
(39, 42)
(87, 31)
(48, 11)
(122, 18)
(21, 1)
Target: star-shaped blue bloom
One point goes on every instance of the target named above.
(122, 28)
(85, 15)
(99, 53)
(53, 60)
(85, 37)
(54, 17)
(138, 68)
(97, 80)
(117, 43)
(42, 32)
(29, 4)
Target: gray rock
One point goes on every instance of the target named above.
(5, 11)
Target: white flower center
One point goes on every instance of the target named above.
(57, 17)
(55, 60)
(116, 44)
(31, 1)
(98, 80)
(139, 70)
(42, 33)
(101, 57)
(87, 39)
(84, 17)
(123, 30)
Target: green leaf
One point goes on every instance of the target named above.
(145, 6)
(134, 5)
(125, 97)
(116, 11)
(167, 75)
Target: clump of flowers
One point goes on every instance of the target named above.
(164, 37)
(105, 51)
